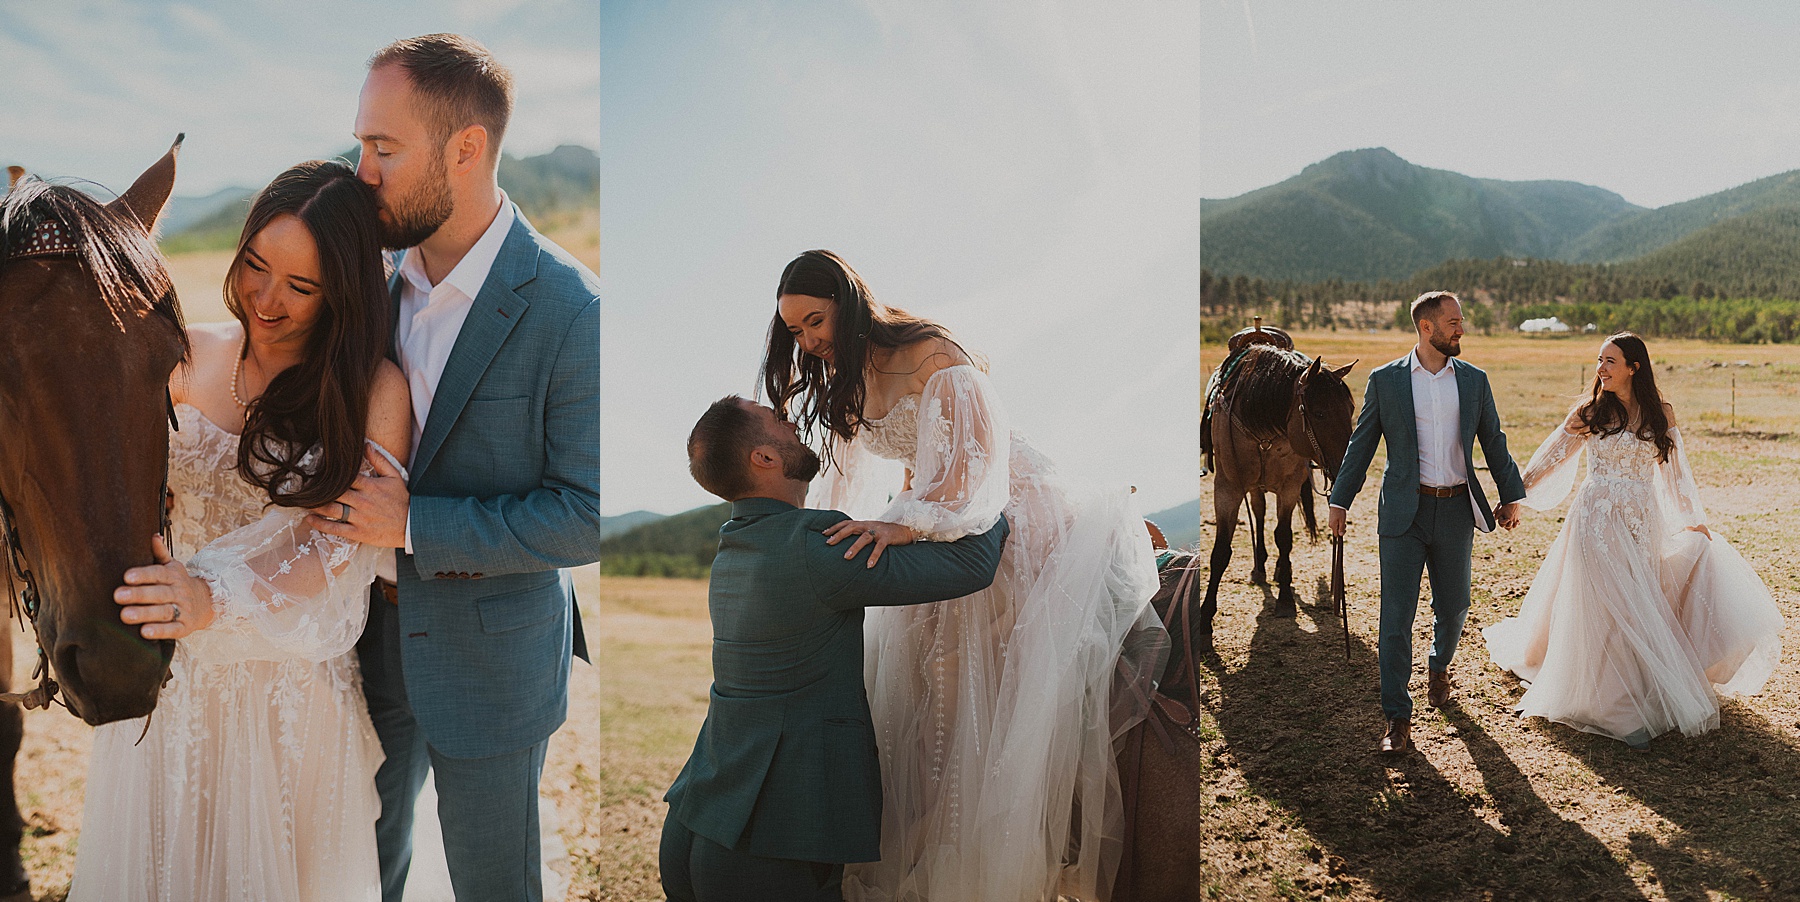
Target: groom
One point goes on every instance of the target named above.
(466, 656)
(784, 785)
(1429, 407)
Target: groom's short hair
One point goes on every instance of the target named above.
(719, 448)
(1427, 305)
(459, 81)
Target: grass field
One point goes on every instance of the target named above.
(1298, 805)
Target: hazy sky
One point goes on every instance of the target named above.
(1023, 172)
(1657, 100)
(98, 88)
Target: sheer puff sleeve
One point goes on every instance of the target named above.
(1554, 466)
(283, 590)
(1677, 492)
(960, 468)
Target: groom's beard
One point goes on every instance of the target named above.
(799, 462)
(1449, 347)
(417, 215)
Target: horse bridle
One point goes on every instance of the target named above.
(52, 240)
(1318, 451)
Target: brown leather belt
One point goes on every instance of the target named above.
(388, 591)
(1444, 492)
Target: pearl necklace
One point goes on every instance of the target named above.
(237, 370)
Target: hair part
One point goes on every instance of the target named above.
(1427, 305)
(1604, 414)
(719, 448)
(459, 82)
(826, 401)
(321, 402)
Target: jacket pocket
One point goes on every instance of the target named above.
(517, 610)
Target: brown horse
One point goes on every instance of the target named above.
(90, 330)
(1277, 415)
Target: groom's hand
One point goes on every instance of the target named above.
(880, 532)
(1508, 515)
(372, 512)
(1336, 520)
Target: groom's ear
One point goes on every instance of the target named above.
(468, 148)
(765, 457)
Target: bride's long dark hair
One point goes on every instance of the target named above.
(1603, 414)
(323, 400)
(822, 398)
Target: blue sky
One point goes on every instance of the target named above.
(98, 88)
(1660, 101)
(1022, 172)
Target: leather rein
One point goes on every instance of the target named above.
(52, 240)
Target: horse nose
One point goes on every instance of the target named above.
(108, 675)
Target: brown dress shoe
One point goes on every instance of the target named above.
(1397, 740)
(1437, 687)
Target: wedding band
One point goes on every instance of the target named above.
(176, 616)
(343, 512)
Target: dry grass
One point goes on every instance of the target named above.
(1297, 804)
(656, 661)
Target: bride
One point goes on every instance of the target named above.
(995, 713)
(1639, 614)
(254, 777)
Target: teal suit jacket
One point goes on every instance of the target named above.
(1387, 411)
(785, 765)
(505, 490)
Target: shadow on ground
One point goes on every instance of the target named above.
(1301, 725)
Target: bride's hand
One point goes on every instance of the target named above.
(1701, 529)
(170, 602)
(879, 532)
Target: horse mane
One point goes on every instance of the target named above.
(125, 265)
(1263, 388)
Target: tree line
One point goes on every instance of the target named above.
(1752, 306)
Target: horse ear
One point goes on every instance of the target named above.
(1313, 370)
(146, 196)
(13, 175)
(1342, 371)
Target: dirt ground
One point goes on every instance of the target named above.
(1297, 804)
(52, 773)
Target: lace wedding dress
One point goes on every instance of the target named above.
(255, 780)
(996, 713)
(1634, 622)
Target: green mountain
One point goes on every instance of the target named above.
(548, 187)
(1180, 524)
(1755, 254)
(623, 523)
(681, 545)
(1368, 215)
(1646, 231)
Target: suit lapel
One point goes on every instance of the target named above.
(493, 315)
(1410, 428)
(1465, 401)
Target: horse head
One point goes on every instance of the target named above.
(1319, 419)
(90, 330)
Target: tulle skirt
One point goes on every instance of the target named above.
(255, 782)
(1631, 630)
(996, 713)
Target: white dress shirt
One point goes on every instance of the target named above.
(431, 317)
(1437, 417)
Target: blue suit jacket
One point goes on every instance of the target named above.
(505, 490)
(786, 765)
(1387, 410)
